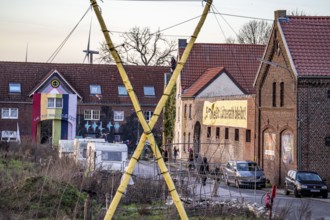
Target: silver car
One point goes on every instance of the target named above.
(244, 174)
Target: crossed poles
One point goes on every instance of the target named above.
(148, 127)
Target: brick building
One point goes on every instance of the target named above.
(62, 101)
(293, 97)
(216, 101)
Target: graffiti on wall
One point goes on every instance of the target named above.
(269, 145)
(287, 147)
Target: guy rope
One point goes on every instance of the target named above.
(148, 127)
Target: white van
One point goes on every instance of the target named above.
(80, 145)
(106, 156)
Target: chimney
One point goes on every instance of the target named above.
(279, 14)
(182, 43)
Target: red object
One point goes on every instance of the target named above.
(268, 201)
(274, 191)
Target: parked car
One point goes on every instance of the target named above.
(305, 183)
(244, 173)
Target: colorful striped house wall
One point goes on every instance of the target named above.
(64, 119)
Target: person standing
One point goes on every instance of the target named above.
(203, 170)
(191, 158)
(175, 153)
(165, 152)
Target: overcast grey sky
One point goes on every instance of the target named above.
(44, 24)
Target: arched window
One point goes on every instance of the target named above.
(282, 94)
(287, 148)
(185, 111)
(184, 142)
(269, 144)
(274, 94)
(190, 111)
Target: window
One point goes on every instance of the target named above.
(226, 133)
(282, 94)
(190, 111)
(118, 115)
(55, 103)
(92, 115)
(14, 88)
(189, 140)
(9, 113)
(9, 136)
(111, 156)
(95, 89)
(236, 134)
(185, 111)
(184, 141)
(217, 133)
(117, 138)
(149, 90)
(208, 132)
(248, 135)
(274, 94)
(122, 91)
(148, 115)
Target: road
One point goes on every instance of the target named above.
(296, 208)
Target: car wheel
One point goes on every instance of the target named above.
(286, 191)
(296, 193)
(325, 196)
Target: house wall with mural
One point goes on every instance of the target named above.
(103, 107)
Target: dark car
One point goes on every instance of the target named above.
(244, 174)
(305, 183)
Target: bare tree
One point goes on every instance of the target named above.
(230, 40)
(298, 12)
(254, 32)
(141, 47)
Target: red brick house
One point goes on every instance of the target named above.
(63, 101)
(293, 97)
(214, 88)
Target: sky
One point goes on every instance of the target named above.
(32, 30)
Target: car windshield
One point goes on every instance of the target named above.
(247, 167)
(308, 177)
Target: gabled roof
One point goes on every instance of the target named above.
(240, 60)
(205, 79)
(80, 76)
(308, 41)
(53, 73)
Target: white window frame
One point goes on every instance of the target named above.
(95, 89)
(118, 115)
(111, 155)
(148, 115)
(122, 90)
(149, 90)
(11, 113)
(55, 103)
(15, 87)
(90, 114)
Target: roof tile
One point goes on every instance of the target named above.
(308, 39)
(240, 60)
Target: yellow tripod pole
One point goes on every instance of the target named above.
(147, 127)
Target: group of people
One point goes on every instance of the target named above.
(165, 154)
(200, 164)
(203, 166)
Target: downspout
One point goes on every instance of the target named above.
(260, 161)
(299, 156)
